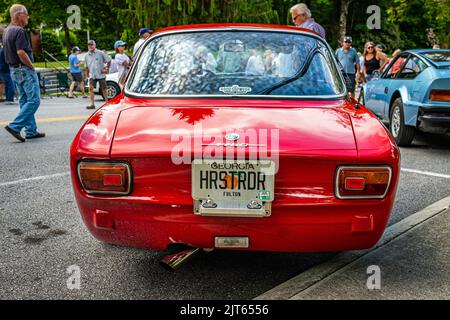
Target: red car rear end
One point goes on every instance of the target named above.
(336, 166)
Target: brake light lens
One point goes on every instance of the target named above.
(440, 95)
(363, 182)
(354, 183)
(105, 178)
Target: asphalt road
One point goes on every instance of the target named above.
(41, 232)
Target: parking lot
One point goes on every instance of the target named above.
(42, 234)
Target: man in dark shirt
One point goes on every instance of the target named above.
(5, 75)
(19, 57)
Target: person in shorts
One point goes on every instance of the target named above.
(348, 58)
(97, 66)
(75, 71)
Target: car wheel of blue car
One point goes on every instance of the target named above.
(402, 134)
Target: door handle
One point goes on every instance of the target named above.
(386, 90)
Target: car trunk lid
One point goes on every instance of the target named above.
(294, 131)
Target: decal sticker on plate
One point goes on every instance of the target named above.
(264, 195)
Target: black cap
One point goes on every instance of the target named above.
(347, 38)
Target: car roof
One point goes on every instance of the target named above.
(421, 53)
(243, 26)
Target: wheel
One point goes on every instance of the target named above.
(112, 89)
(402, 134)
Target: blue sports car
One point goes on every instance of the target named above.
(412, 93)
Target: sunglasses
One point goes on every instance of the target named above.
(295, 18)
(369, 47)
(346, 41)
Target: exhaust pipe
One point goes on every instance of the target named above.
(172, 261)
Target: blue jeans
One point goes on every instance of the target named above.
(27, 83)
(9, 85)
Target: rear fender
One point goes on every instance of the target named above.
(410, 108)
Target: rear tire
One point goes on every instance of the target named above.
(403, 135)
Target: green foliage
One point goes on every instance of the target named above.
(158, 14)
(416, 16)
(405, 23)
(51, 42)
(73, 38)
(104, 41)
(81, 39)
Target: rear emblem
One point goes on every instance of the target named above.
(232, 137)
(235, 90)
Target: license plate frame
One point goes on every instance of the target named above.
(252, 181)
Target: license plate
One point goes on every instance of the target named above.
(233, 187)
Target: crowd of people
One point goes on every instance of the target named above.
(357, 67)
(17, 70)
(97, 64)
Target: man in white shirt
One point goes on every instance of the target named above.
(144, 33)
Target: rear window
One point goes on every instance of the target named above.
(236, 63)
(441, 56)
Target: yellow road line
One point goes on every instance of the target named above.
(54, 119)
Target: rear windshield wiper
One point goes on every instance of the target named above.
(297, 76)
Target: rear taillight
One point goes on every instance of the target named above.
(440, 95)
(354, 182)
(105, 177)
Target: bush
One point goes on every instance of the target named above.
(73, 41)
(81, 39)
(105, 42)
(51, 42)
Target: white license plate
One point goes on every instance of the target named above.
(235, 187)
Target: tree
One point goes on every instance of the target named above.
(52, 14)
(343, 17)
(405, 23)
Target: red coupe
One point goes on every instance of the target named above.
(235, 136)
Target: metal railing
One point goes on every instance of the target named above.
(62, 66)
(47, 82)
